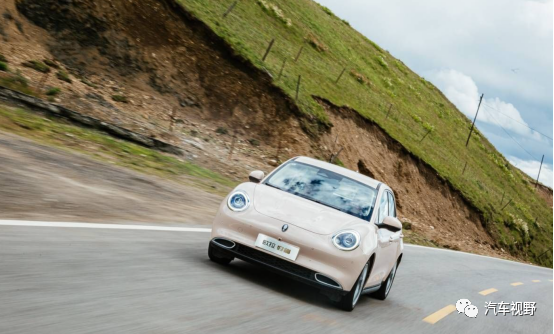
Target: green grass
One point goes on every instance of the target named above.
(16, 82)
(106, 148)
(53, 91)
(120, 98)
(62, 75)
(37, 66)
(3, 66)
(376, 80)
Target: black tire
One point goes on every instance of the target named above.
(385, 288)
(349, 301)
(217, 256)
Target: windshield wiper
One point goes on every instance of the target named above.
(272, 186)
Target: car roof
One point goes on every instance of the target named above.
(340, 170)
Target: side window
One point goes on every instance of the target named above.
(383, 207)
(392, 205)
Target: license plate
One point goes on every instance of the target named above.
(277, 247)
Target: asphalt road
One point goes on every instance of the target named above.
(80, 280)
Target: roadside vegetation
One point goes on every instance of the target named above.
(421, 118)
(105, 148)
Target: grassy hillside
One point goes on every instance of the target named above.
(100, 146)
(373, 80)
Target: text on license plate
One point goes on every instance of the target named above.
(277, 247)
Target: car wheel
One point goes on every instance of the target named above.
(349, 301)
(216, 255)
(384, 290)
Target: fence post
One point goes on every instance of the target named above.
(428, 132)
(172, 119)
(268, 49)
(282, 67)
(298, 85)
(230, 9)
(232, 145)
(463, 171)
(299, 53)
(473, 124)
(510, 201)
(279, 145)
(537, 182)
(390, 107)
(334, 156)
(502, 200)
(340, 75)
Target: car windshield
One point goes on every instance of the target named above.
(325, 187)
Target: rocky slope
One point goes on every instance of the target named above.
(152, 67)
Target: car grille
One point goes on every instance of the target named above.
(274, 261)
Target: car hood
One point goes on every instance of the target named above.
(300, 212)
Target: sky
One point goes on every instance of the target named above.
(500, 48)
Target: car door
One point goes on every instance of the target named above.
(386, 252)
(396, 238)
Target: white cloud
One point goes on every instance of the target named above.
(461, 90)
(531, 168)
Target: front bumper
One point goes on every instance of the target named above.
(281, 267)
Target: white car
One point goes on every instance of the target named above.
(316, 222)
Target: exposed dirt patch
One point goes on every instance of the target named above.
(424, 200)
(181, 83)
(40, 182)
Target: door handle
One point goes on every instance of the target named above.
(393, 238)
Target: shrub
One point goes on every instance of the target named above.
(222, 131)
(327, 11)
(120, 98)
(3, 66)
(274, 11)
(315, 43)
(416, 118)
(3, 59)
(51, 63)
(381, 61)
(37, 66)
(62, 75)
(88, 83)
(428, 127)
(359, 77)
(254, 142)
(53, 91)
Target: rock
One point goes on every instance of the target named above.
(272, 162)
(194, 144)
(431, 227)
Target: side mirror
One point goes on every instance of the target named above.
(256, 176)
(392, 224)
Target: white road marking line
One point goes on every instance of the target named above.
(193, 229)
(102, 226)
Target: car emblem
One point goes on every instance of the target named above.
(285, 228)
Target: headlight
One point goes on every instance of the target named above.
(346, 240)
(238, 201)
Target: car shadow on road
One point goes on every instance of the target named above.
(269, 280)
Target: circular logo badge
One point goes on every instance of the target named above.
(285, 228)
